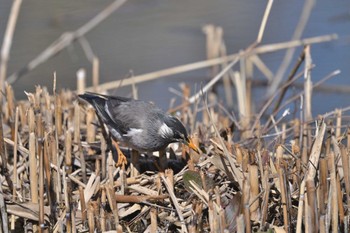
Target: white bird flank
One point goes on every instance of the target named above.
(165, 131)
(133, 132)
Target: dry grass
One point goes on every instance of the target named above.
(60, 177)
(261, 168)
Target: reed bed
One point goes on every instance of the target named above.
(58, 174)
(262, 167)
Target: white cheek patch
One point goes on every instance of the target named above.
(165, 131)
(133, 132)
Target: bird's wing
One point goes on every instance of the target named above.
(125, 115)
(102, 105)
(131, 114)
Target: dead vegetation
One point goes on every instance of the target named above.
(263, 167)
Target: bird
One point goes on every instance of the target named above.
(140, 125)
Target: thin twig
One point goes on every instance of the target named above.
(237, 173)
(4, 155)
(331, 75)
(3, 213)
(212, 82)
(264, 21)
(206, 63)
(6, 45)
(267, 104)
(175, 202)
(307, 84)
(308, 5)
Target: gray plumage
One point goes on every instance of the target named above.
(141, 125)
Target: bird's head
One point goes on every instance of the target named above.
(173, 130)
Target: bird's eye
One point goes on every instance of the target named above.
(180, 137)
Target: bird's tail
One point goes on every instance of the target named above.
(98, 102)
(93, 98)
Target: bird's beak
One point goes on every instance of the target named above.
(191, 145)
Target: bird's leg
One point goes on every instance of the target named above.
(134, 164)
(161, 162)
(121, 157)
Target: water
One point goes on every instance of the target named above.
(145, 36)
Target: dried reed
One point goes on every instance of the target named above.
(58, 174)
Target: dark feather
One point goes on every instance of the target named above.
(99, 102)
